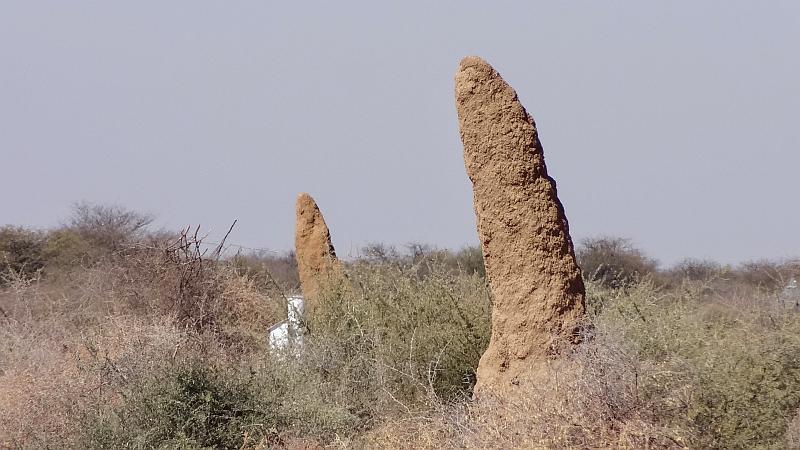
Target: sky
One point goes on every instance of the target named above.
(673, 123)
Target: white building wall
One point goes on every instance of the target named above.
(290, 331)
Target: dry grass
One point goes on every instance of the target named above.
(157, 345)
(590, 400)
(71, 341)
(54, 371)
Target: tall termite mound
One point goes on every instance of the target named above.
(536, 285)
(316, 258)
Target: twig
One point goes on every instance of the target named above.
(396, 400)
(218, 250)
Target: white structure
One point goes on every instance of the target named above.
(288, 332)
(790, 293)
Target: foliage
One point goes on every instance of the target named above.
(21, 253)
(157, 344)
(467, 260)
(269, 269)
(696, 270)
(109, 228)
(66, 248)
(406, 337)
(613, 262)
(728, 370)
(190, 405)
(768, 275)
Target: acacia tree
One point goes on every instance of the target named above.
(108, 227)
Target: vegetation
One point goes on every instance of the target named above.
(116, 336)
(613, 262)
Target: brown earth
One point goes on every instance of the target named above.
(316, 257)
(537, 289)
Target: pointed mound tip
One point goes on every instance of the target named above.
(470, 61)
(473, 72)
(304, 199)
(472, 67)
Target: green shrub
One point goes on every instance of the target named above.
(65, 248)
(192, 405)
(21, 252)
(727, 371)
(400, 338)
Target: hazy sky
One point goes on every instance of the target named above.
(671, 123)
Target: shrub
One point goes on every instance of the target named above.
(21, 253)
(269, 270)
(467, 260)
(160, 345)
(205, 294)
(402, 339)
(191, 405)
(696, 270)
(770, 276)
(613, 262)
(666, 369)
(470, 260)
(65, 248)
(57, 367)
(108, 228)
(588, 399)
(728, 371)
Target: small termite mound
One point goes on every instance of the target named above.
(316, 257)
